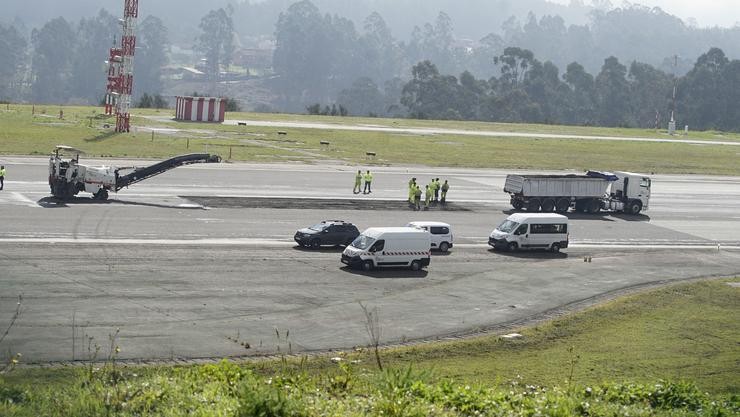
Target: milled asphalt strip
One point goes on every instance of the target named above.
(285, 243)
(427, 131)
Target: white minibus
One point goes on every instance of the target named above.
(531, 231)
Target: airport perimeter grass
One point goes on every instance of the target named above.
(666, 352)
(82, 127)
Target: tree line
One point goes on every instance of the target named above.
(530, 91)
(65, 62)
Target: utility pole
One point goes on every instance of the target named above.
(672, 123)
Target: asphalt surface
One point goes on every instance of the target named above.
(199, 262)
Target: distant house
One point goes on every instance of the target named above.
(253, 58)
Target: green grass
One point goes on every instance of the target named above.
(25, 134)
(667, 352)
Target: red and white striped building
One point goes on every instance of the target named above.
(200, 109)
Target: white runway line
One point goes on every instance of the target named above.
(287, 243)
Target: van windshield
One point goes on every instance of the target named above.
(363, 242)
(507, 226)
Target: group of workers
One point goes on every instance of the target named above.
(434, 193)
(359, 178)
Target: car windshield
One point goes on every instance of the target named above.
(507, 226)
(319, 227)
(363, 242)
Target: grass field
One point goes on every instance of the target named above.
(666, 352)
(25, 134)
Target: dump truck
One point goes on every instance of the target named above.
(623, 192)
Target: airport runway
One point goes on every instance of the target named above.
(199, 262)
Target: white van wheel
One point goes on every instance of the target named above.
(444, 246)
(513, 246)
(415, 265)
(367, 265)
(555, 248)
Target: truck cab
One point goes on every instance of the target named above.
(630, 193)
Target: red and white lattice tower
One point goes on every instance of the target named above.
(121, 69)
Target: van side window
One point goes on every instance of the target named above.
(378, 246)
(440, 230)
(549, 228)
(521, 230)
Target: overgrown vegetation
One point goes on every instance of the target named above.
(645, 371)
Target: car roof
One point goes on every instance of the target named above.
(377, 231)
(342, 222)
(429, 224)
(521, 217)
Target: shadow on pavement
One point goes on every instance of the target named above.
(530, 254)
(602, 216)
(387, 273)
(323, 249)
(52, 202)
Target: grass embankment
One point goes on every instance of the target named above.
(609, 360)
(26, 134)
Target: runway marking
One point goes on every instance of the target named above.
(20, 199)
(286, 243)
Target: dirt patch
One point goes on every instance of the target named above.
(315, 203)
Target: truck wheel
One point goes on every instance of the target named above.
(513, 246)
(555, 248)
(593, 206)
(533, 205)
(634, 207)
(315, 244)
(367, 265)
(548, 205)
(415, 265)
(562, 205)
(517, 204)
(444, 246)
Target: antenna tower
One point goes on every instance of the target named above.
(121, 68)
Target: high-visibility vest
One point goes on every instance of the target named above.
(358, 178)
(2, 172)
(445, 187)
(368, 177)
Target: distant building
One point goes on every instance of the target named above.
(253, 58)
(200, 109)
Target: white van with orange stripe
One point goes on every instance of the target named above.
(379, 247)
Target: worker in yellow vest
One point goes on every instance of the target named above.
(445, 188)
(427, 196)
(412, 189)
(358, 182)
(417, 197)
(2, 177)
(437, 186)
(368, 182)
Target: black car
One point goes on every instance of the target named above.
(327, 233)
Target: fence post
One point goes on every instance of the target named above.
(230, 151)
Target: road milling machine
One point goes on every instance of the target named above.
(67, 177)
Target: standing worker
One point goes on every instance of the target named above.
(417, 197)
(427, 197)
(358, 182)
(412, 189)
(368, 182)
(2, 177)
(445, 187)
(436, 189)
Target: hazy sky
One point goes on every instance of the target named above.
(706, 12)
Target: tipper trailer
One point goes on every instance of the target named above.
(590, 193)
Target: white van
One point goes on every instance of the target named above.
(531, 231)
(389, 246)
(441, 234)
